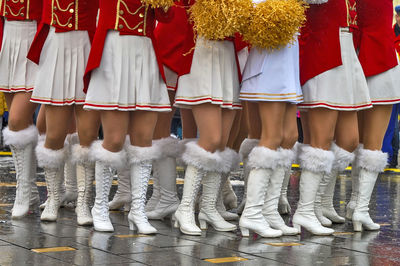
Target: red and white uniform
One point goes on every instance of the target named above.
(208, 70)
(377, 50)
(61, 49)
(18, 25)
(123, 72)
(330, 73)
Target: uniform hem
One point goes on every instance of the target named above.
(58, 102)
(16, 89)
(335, 107)
(385, 101)
(134, 107)
(231, 105)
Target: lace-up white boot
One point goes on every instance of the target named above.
(263, 163)
(283, 205)
(270, 208)
(355, 174)
(315, 163)
(165, 167)
(105, 160)
(22, 144)
(122, 197)
(245, 148)
(228, 216)
(85, 168)
(70, 181)
(199, 162)
(52, 162)
(140, 160)
(371, 164)
(342, 159)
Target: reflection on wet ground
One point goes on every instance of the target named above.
(30, 242)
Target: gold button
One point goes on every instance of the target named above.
(71, 10)
(22, 14)
(22, 1)
(140, 30)
(140, 15)
(55, 8)
(121, 26)
(70, 25)
(121, 12)
(6, 12)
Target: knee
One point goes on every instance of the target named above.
(212, 143)
(349, 144)
(18, 123)
(114, 143)
(142, 138)
(87, 137)
(289, 139)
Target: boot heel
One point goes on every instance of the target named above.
(203, 225)
(349, 214)
(176, 222)
(357, 226)
(245, 232)
(132, 226)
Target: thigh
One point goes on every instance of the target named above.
(141, 127)
(322, 123)
(21, 111)
(209, 123)
(272, 115)
(41, 120)
(115, 128)
(228, 119)
(88, 125)
(346, 131)
(305, 127)
(374, 126)
(163, 126)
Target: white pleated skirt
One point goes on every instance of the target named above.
(213, 78)
(128, 77)
(384, 88)
(272, 76)
(343, 88)
(61, 68)
(17, 73)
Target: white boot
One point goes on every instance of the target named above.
(245, 148)
(355, 173)
(270, 208)
(166, 169)
(85, 168)
(122, 197)
(211, 191)
(283, 205)
(315, 163)
(229, 196)
(140, 160)
(105, 160)
(371, 164)
(318, 201)
(262, 162)
(342, 159)
(22, 144)
(52, 162)
(71, 188)
(199, 162)
(228, 216)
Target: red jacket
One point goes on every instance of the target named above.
(176, 40)
(19, 10)
(64, 15)
(396, 42)
(376, 45)
(129, 17)
(320, 41)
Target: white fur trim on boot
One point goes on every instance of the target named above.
(247, 146)
(20, 138)
(263, 158)
(169, 147)
(138, 154)
(287, 157)
(316, 160)
(80, 154)
(373, 161)
(50, 158)
(113, 159)
(230, 159)
(202, 159)
(342, 158)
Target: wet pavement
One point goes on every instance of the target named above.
(30, 242)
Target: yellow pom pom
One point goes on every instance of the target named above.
(218, 19)
(274, 23)
(159, 3)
